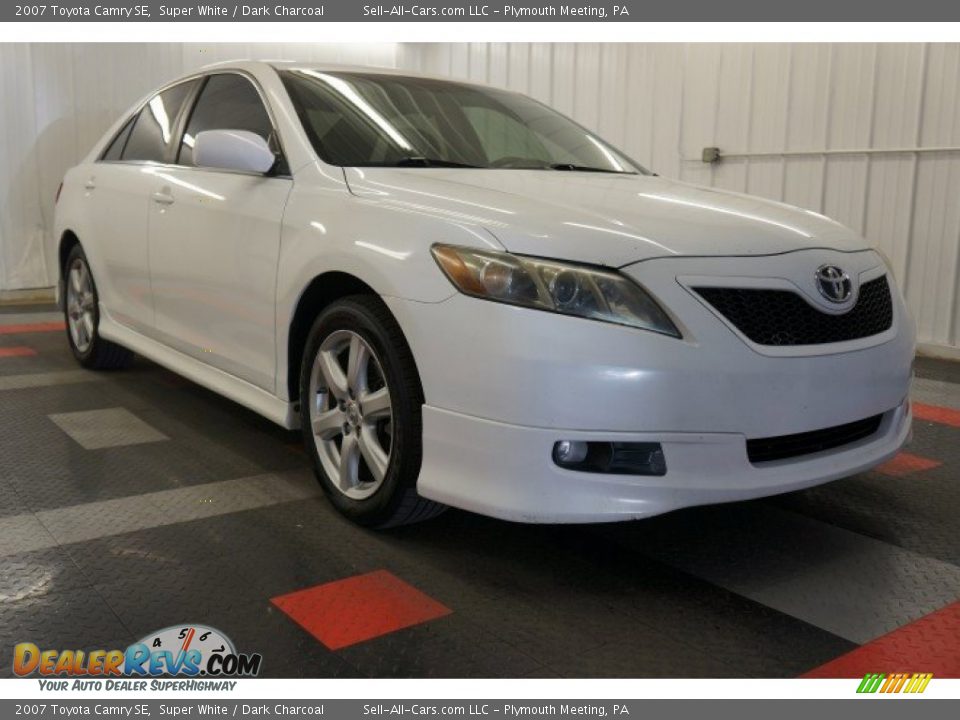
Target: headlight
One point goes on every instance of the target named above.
(558, 287)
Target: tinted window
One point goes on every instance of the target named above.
(154, 126)
(227, 102)
(505, 137)
(371, 119)
(116, 147)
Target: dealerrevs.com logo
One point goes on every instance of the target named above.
(181, 651)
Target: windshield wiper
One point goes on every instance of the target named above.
(586, 168)
(416, 161)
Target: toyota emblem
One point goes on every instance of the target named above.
(834, 284)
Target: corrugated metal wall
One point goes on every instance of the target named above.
(57, 99)
(663, 103)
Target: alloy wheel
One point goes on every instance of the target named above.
(80, 305)
(351, 414)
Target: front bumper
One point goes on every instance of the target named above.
(506, 471)
(502, 384)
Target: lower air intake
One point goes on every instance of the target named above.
(782, 447)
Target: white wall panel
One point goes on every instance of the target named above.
(663, 103)
(699, 118)
(562, 89)
(732, 119)
(613, 66)
(518, 67)
(932, 264)
(768, 118)
(541, 72)
(808, 124)
(20, 206)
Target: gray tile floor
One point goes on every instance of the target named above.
(134, 500)
(110, 427)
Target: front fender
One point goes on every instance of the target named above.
(386, 246)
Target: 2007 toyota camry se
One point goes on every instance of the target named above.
(464, 298)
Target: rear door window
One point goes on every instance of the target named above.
(227, 102)
(154, 127)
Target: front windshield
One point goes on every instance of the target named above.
(359, 119)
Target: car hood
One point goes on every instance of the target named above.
(602, 218)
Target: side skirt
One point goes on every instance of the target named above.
(240, 391)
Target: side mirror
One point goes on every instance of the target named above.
(233, 150)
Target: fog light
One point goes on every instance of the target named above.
(612, 458)
(569, 452)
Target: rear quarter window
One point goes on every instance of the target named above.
(115, 148)
(154, 127)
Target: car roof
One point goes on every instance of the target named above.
(251, 65)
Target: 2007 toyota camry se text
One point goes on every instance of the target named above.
(465, 299)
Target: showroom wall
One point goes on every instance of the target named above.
(797, 109)
(818, 122)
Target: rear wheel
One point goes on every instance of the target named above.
(361, 402)
(82, 313)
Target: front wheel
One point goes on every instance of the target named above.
(81, 309)
(361, 413)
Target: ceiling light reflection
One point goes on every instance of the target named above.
(632, 236)
(159, 113)
(607, 154)
(182, 183)
(725, 211)
(395, 254)
(366, 108)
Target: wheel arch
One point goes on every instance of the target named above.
(68, 240)
(320, 292)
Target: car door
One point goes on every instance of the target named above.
(215, 241)
(117, 189)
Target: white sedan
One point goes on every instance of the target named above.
(464, 298)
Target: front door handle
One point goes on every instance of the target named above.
(162, 197)
(90, 184)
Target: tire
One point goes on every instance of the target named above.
(376, 487)
(81, 311)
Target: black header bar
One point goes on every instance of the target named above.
(482, 11)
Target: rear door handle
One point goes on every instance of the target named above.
(90, 184)
(164, 198)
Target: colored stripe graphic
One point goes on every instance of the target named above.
(937, 414)
(6, 352)
(893, 683)
(870, 683)
(897, 682)
(31, 328)
(931, 644)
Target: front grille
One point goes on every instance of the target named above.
(787, 446)
(782, 317)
